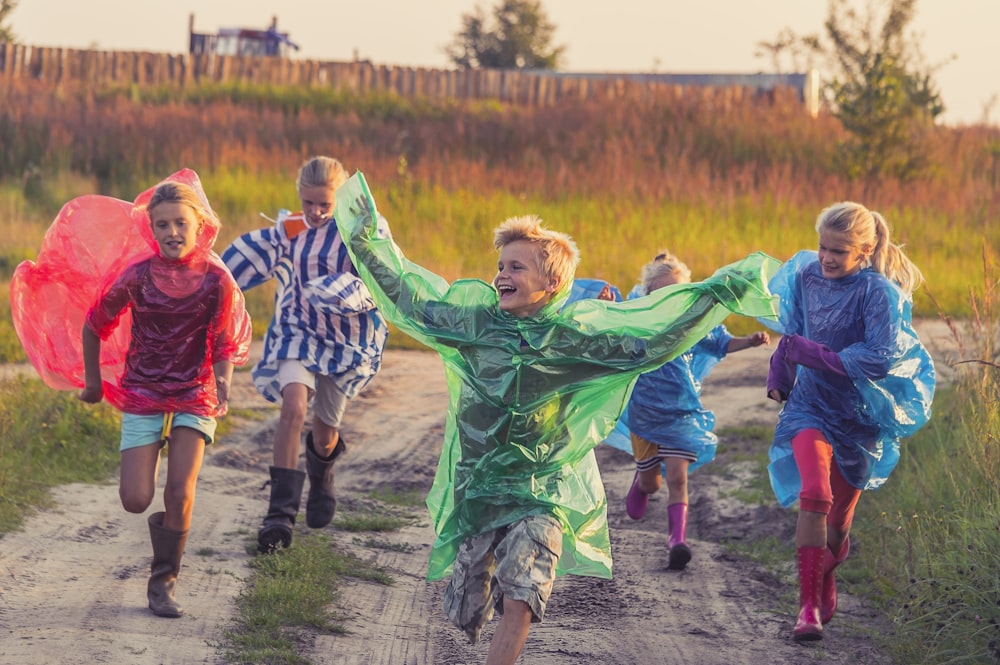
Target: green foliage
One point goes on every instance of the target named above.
(49, 438)
(880, 93)
(519, 37)
(930, 537)
(6, 32)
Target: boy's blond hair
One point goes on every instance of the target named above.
(664, 264)
(556, 252)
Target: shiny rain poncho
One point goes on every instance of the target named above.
(98, 256)
(889, 386)
(530, 398)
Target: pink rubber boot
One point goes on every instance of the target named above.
(680, 553)
(636, 500)
(810, 562)
(828, 599)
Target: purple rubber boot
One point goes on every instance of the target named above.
(636, 500)
(680, 553)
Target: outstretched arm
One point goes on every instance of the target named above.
(419, 302)
(758, 338)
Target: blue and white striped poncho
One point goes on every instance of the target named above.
(323, 313)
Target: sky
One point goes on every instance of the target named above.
(958, 38)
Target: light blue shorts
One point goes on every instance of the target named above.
(145, 430)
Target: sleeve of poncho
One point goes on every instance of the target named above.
(419, 302)
(253, 257)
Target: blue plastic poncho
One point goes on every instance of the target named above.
(530, 398)
(665, 405)
(889, 386)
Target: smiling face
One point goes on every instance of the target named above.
(838, 257)
(317, 204)
(522, 286)
(175, 229)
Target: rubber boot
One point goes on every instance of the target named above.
(321, 503)
(828, 599)
(168, 548)
(680, 553)
(636, 500)
(286, 493)
(810, 563)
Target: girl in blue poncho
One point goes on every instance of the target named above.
(666, 422)
(856, 378)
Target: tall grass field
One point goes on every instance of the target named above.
(626, 179)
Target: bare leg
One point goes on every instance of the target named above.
(184, 457)
(511, 633)
(137, 482)
(677, 479)
(288, 433)
(650, 480)
(325, 438)
(810, 530)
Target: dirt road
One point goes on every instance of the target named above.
(72, 584)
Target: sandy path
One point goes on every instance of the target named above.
(72, 584)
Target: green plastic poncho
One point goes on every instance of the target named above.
(531, 397)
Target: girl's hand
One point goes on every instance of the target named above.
(222, 390)
(91, 394)
(759, 338)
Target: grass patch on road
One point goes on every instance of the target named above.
(290, 596)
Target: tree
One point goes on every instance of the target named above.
(519, 37)
(880, 89)
(6, 33)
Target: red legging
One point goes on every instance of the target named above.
(824, 489)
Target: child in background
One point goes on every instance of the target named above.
(667, 422)
(856, 379)
(534, 386)
(324, 344)
(189, 327)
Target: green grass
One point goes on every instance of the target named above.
(49, 438)
(292, 594)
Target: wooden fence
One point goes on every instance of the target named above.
(531, 87)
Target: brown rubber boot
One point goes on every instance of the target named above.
(321, 502)
(168, 548)
(282, 509)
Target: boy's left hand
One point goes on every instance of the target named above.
(759, 338)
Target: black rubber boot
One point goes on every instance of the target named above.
(168, 548)
(286, 493)
(321, 503)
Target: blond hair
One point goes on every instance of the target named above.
(662, 265)
(321, 172)
(862, 226)
(178, 192)
(556, 252)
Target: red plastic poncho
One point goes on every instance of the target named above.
(96, 247)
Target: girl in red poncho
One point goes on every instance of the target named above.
(189, 326)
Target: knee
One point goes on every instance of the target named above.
(293, 412)
(135, 501)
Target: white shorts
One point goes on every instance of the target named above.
(329, 400)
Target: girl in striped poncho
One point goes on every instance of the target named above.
(323, 344)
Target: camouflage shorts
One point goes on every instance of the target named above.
(517, 562)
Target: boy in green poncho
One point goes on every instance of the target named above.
(517, 497)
